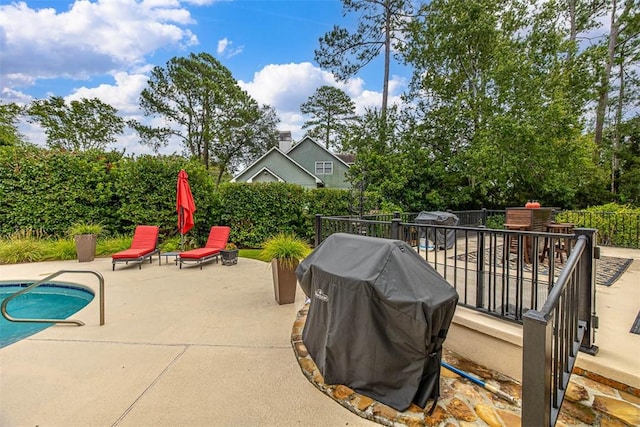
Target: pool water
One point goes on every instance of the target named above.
(51, 301)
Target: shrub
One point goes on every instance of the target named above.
(287, 248)
(82, 228)
(111, 245)
(617, 225)
(59, 249)
(21, 248)
(495, 222)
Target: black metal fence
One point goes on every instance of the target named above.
(474, 218)
(552, 337)
(508, 274)
(614, 228)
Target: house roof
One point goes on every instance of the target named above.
(275, 149)
(347, 158)
(269, 171)
(307, 137)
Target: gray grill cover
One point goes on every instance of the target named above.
(379, 315)
(437, 235)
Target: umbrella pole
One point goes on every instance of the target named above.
(181, 228)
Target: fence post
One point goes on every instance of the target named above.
(587, 290)
(537, 335)
(395, 228)
(484, 216)
(318, 228)
(480, 271)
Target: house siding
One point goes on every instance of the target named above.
(281, 166)
(306, 153)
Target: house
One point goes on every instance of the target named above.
(306, 163)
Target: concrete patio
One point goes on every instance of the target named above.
(207, 347)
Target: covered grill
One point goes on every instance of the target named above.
(442, 238)
(379, 315)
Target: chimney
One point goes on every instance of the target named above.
(284, 140)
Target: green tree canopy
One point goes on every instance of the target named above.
(203, 107)
(331, 112)
(629, 154)
(254, 135)
(78, 125)
(9, 116)
(380, 22)
(493, 86)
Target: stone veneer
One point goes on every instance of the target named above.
(462, 403)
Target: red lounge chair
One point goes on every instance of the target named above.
(218, 238)
(144, 245)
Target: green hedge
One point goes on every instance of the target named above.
(617, 225)
(48, 191)
(261, 210)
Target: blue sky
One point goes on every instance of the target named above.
(105, 49)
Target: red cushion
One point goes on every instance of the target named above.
(199, 253)
(218, 237)
(145, 237)
(145, 240)
(131, 253)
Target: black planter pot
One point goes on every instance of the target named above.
(229, 257)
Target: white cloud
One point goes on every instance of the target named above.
(8, 95)
(89, 38)
(124, 95)
(286, 86)
(222, 45)
(283, 86)
(200, 2)
(225, 48)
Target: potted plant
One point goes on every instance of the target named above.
(229, 254)
(285, 252)
(85, 236)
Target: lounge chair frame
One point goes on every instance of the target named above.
(199, 261)
(220, 244)
(142, 233)
(139, 260)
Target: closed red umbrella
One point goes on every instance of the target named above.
(184, 205)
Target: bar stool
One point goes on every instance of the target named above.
(513, 240)
(561, 246)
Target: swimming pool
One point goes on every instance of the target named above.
(55, 300)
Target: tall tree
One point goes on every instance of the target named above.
(203, 107)
(624, 15)
(624, 89)
(254, 135)
(629, 153)
(78, 125)
(9, 116)
(331, 112)
(491, 82)
(379, 29)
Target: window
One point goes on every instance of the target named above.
(324, 168)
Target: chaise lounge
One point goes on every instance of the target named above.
(218, 238)
(144, 245)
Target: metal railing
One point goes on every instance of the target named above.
(553, 336)
(470, 218)
(3, 307)
(512, 275)
(614, 228)
(502, 273)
